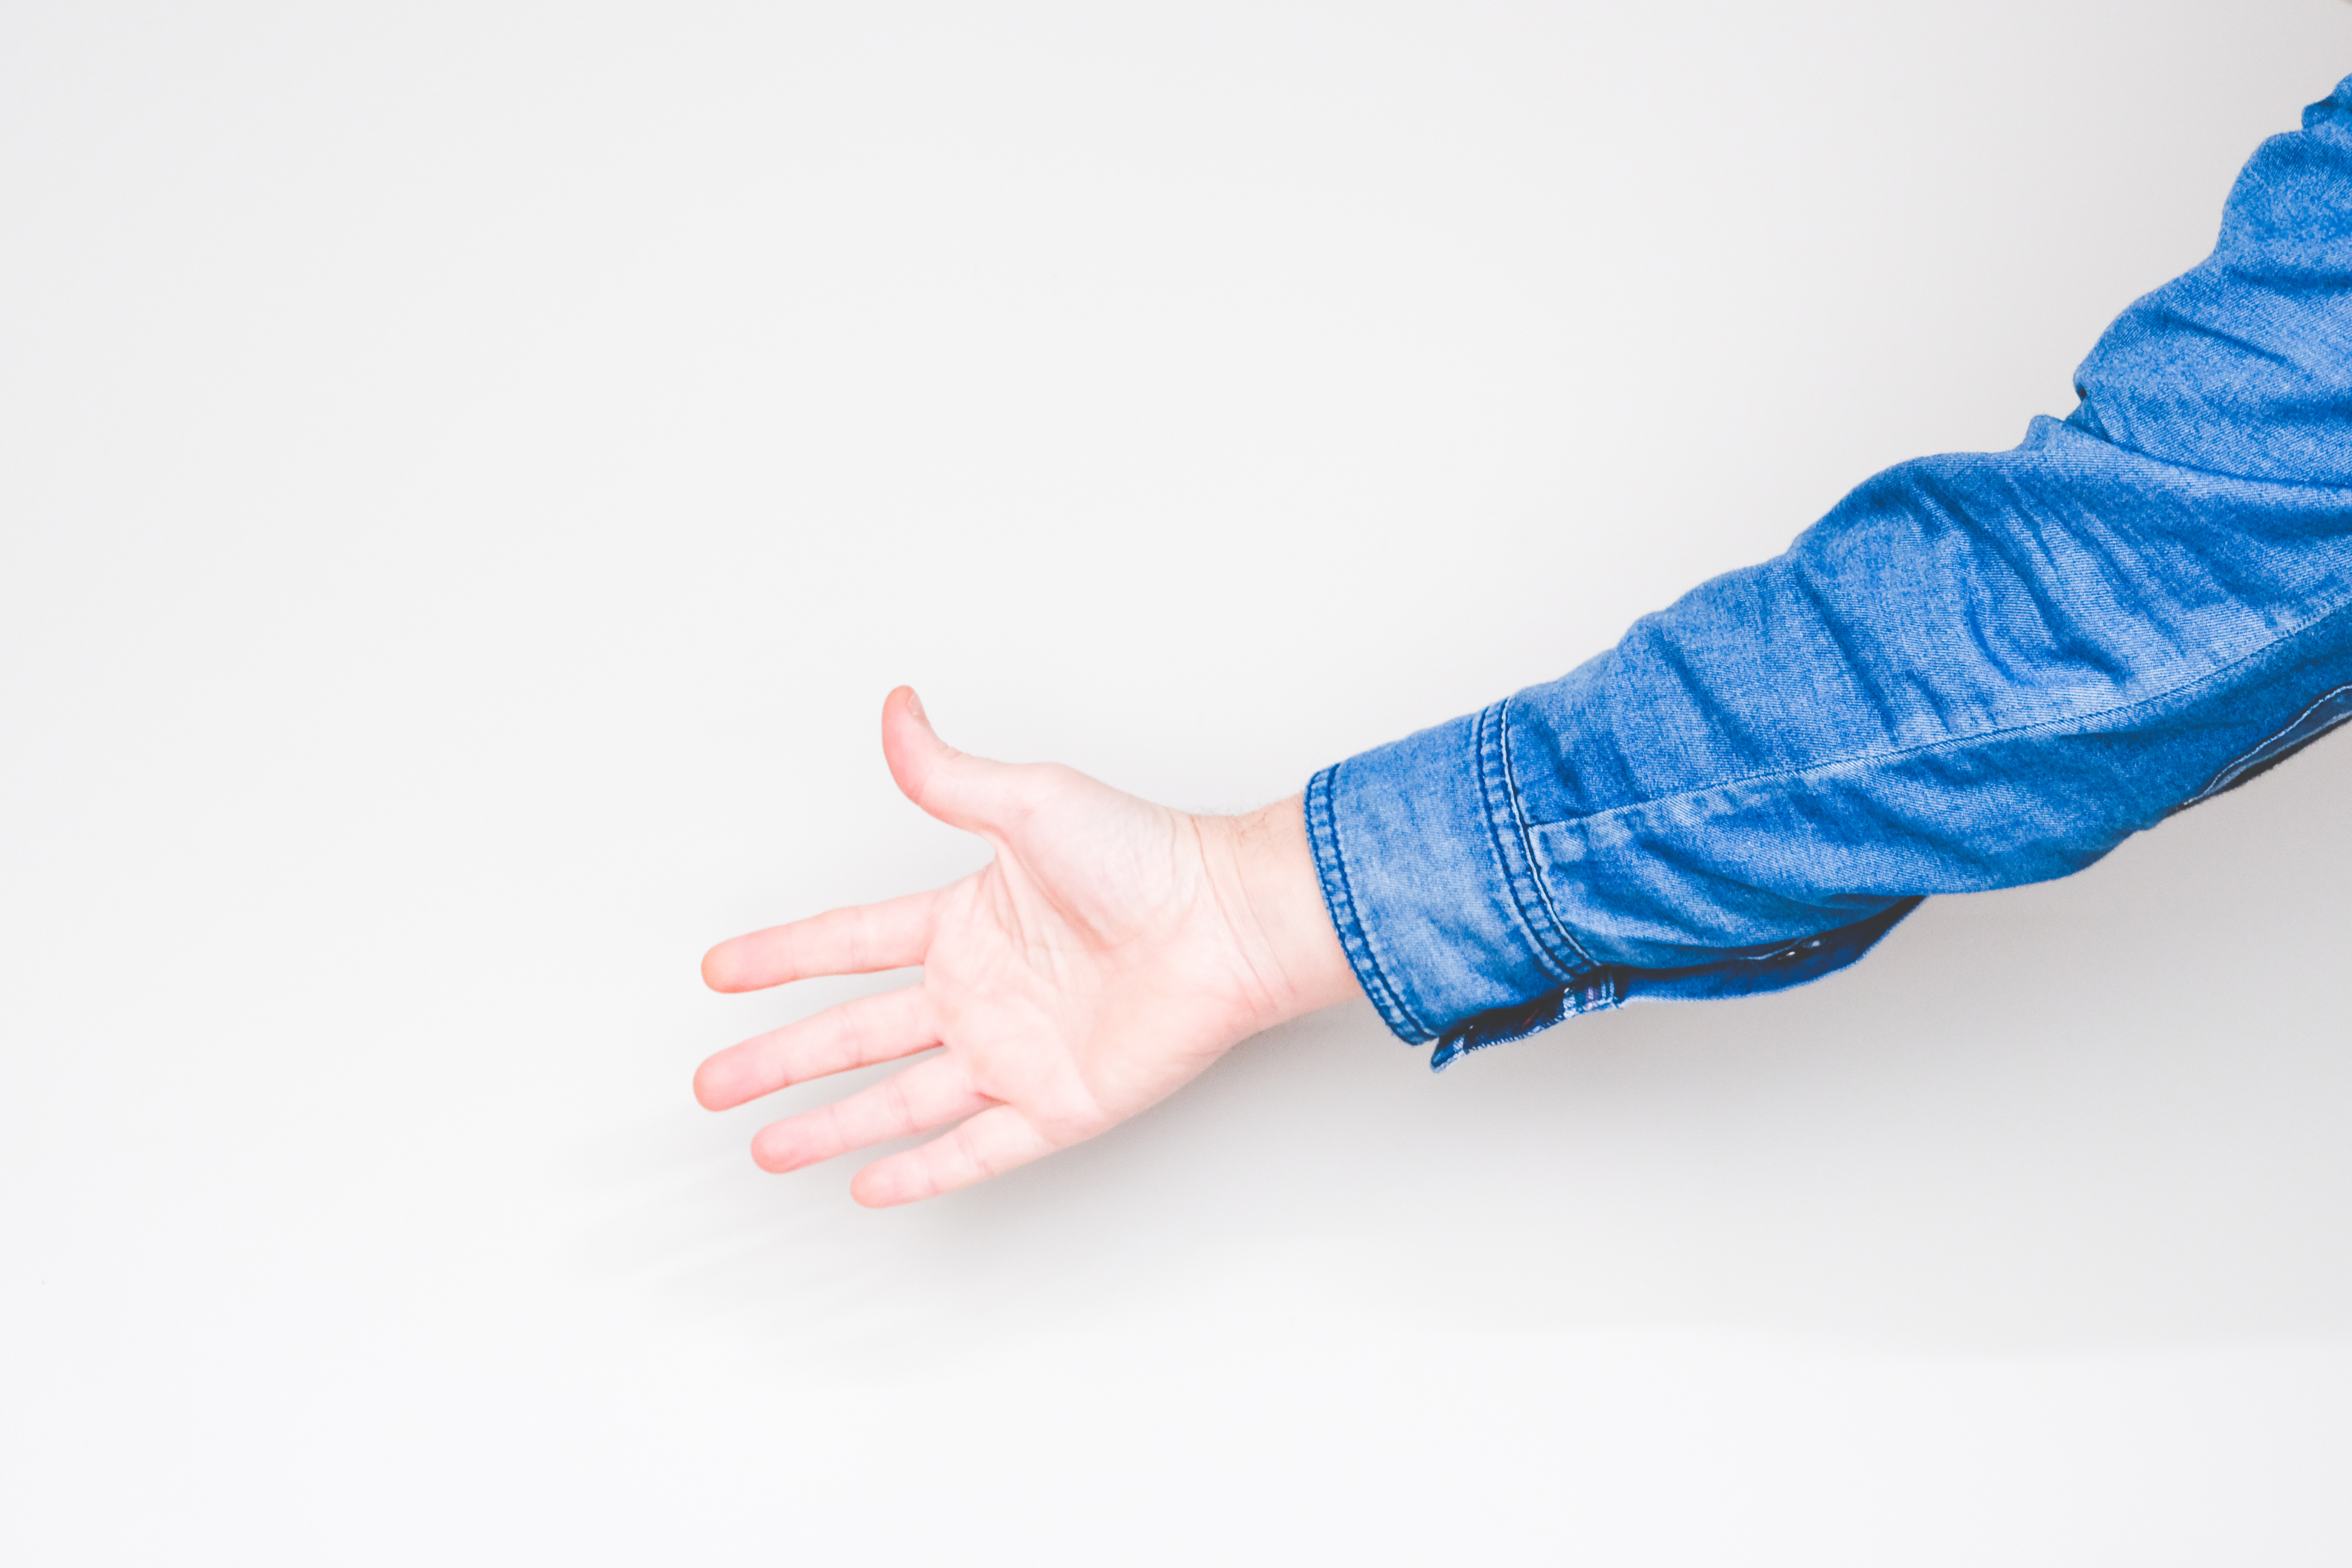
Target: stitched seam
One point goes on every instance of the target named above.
(1322, 832)
(1489, 810)
(2255, 756)
(1526, 843)
(1322, 829)
(1956, 743)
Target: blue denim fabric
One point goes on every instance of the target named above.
(1979, 670)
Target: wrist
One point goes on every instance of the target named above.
(1273, 894)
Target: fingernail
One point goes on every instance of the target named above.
(915, 705)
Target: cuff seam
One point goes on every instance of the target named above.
(1548, 936)
(1339, 898)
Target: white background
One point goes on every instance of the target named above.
(469, 474)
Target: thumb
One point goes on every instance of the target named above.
(963, 792)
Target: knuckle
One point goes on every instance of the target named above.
(849, 1039)
(977, 1158)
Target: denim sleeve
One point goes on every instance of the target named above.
(1979, 670)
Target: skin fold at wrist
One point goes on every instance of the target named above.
(1263, 870)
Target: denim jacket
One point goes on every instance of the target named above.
(1979, 670)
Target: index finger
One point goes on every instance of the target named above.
(859, 940)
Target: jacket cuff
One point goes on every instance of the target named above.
(1426, 870)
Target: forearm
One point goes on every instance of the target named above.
(1796, 748)
(1979, 670)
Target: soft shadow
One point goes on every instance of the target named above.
(2101, 1113)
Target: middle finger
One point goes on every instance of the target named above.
(854, 1034)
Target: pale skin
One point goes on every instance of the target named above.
(1110, 951)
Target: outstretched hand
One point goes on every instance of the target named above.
(1110, 951)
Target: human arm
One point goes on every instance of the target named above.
(1980, 670)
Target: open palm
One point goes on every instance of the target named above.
(1111, 951)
